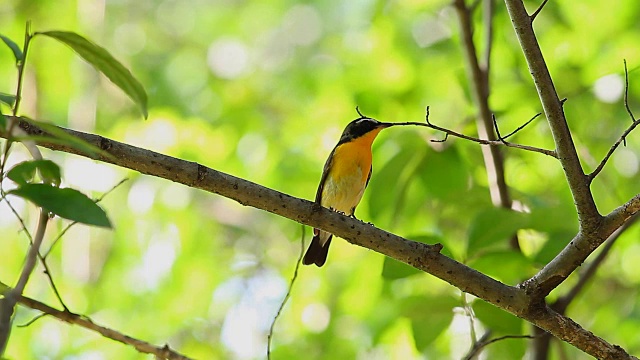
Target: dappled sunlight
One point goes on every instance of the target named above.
(316, 317)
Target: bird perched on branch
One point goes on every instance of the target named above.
(345, 176)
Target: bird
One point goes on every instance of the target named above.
(345, 176)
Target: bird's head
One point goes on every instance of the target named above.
(361, 127)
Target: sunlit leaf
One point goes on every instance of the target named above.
(514, 266)
(7, 99)
(17, 53)
(104, 62)
(393, 269)
(67, 203)
(497, 319)
(555, 243)
(23, 172)
(444, 174)
(386, 190)
(493, 227)
(428, 325)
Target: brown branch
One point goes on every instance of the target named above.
(535, 13)
(448, 133)
(8, 302)
(591, 233)
(421, 256)
(164, 352)
(543, 338)
(588, 215)
(479, 78)
(578, 249)
(486, 342)
(563, 302)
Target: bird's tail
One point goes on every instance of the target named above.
(319, 248)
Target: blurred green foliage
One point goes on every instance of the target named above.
(262, 90)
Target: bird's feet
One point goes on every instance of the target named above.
(364, 222)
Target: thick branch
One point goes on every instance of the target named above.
(576, 252)
(588, 215)
(422, 256)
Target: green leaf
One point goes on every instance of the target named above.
(17, 53)
(393, 269)
(104, 62)
(23, 172)
(496, 319)
(494, 226)
(7, 99)
(67, 203)
(3, 287)
(382, 197)
(554, 244)
(3, 121)
(444, 174)
(427, 325)
(514, 266)
(62, 138)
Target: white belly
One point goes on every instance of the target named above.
(344, 194)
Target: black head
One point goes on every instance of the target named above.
(360, 127)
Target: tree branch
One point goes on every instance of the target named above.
(543, 338)
(493, 159)
(623, 137)
(8, 303)
(501, 142)
(588, 215)
(421, 256)
(164, 352)
(578, 249)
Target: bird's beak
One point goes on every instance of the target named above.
(386, 125)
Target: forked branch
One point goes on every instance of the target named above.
(623, 138)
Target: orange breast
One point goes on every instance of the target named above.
(347, 178)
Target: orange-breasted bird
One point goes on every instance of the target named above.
(345, 176)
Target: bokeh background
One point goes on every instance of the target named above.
(262, 90)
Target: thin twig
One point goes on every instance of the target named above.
(495, 126)
(47, 271)
(482, 345)
(16, 105)
(64, 231)
(30, 322)
(162, 352)
(286, 297)
(7, 304)
(626, 93)
(428, 124)
(613, 148)
(522, 126)
(535, 13)
(469, 311)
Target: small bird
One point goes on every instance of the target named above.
(345, 176)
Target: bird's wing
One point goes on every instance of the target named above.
(325, 173)
(369, 177)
